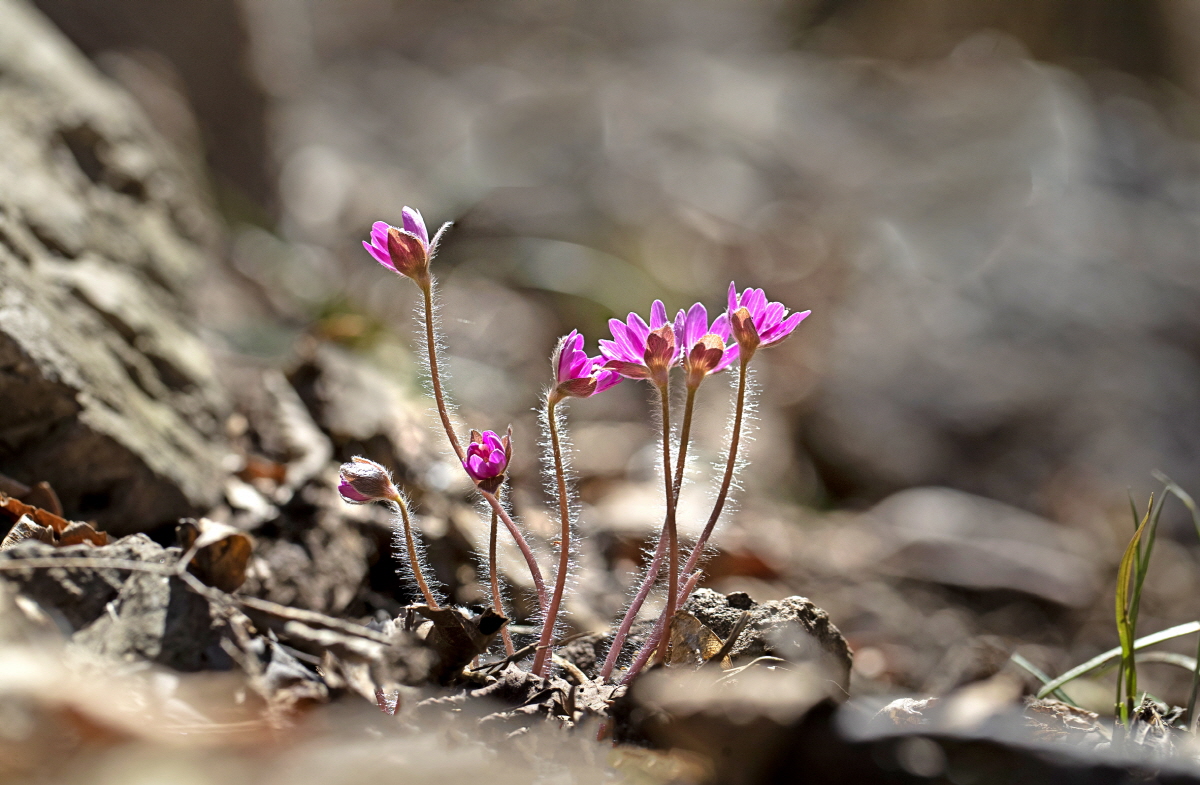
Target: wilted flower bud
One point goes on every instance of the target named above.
(487, 458)
(364, 481)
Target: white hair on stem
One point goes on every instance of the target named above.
(406, 569)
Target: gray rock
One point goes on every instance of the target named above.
(108, 393)
(792, 629)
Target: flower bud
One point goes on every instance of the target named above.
(364, 481)
(660, 353)
(704, 358)
(487, 458)
(741, 324)
(409, 255)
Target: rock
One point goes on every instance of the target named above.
(124, 614)
(954, 538)
(108, 393)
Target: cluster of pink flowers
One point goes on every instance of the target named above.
(637, 349)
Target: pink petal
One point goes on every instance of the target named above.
(720, 327)
(414, 224)
(379, 232)
(697, 325)
(383, 257)
(733, 297)
(606, 379)
(770, 316)
(731, 354)
(638, 329)
(658, 314)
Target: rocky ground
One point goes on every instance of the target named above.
(185, 596)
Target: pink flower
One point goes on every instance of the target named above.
(756, 323)
(487, 458)
(363, 481)
(641, 351)
(406, 249)
(575, 374)
(704, 350)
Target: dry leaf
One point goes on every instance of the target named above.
(457, 639)
(30, 522)
(222, 552)
(693, 643)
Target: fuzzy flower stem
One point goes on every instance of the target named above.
(670, 529)
(526, 551)
(657, 638)
(545, 646)
(639, 599)
(727, 480)
(654, 642)
(412, 552)
(439, 396)
(494, 575)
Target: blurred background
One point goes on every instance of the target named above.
(991, 208)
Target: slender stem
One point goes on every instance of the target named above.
(672, 534)
(652, 643)
(727, 480)
(494, 575)
(541, 660)
(526, 551)
(651, 576)
(439, 396)
(685, 434)
(413, 559)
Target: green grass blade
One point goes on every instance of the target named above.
(1041, 676)
(1101, 660)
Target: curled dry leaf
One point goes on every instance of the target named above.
(34, 523)
(457, 639)
(222, 553)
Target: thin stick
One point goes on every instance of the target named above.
(435, 375)
(541, 661)
(651, 577)
(497, 602)
(671, 532)
(526, 551)
(413, 559)
(726, 481)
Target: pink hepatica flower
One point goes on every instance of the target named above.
(406, 249)
(575, 374)
(756, 323)
(639, 350)
(487, 458)
(704, 349)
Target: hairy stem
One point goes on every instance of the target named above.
(526, 551)
(541, 660)
(651, 577)
(730, 465)
(670, 529)
(494, 575)
(654, 642)
(435, 375)
(413, 559)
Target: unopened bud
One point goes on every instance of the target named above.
(741, 324)
(364, 481)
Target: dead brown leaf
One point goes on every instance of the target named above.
(222, 553)
(29, 522)
(693, 643)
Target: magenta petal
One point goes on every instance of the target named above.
(697, 325)
(733, 297)
(383, 257)
(720, 327)
(474, 465)
(414, 224)
(379, 233)
(638, 329)
(658, 315)
(349, 493)
(731, 354)
(754, 300)
(632, 348)
(770, 316)
(606, 379)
